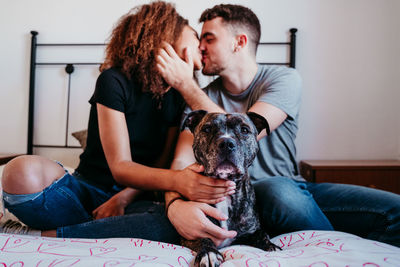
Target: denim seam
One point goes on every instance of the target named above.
(59, 163)
(70, 197)
(59, 232)
(48, 188)
(38, 194)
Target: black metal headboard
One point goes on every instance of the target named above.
(69, 69)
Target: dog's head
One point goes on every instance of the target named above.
(225, 144)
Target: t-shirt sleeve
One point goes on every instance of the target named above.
(283, 90)
(110, 91)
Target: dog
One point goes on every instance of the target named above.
(226, 145)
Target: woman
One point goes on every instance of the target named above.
(132, 130)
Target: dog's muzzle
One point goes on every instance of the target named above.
(227, 162)
(226, 170)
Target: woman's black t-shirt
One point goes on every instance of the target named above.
(147, 124)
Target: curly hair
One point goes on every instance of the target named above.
(236, 16)
(136, 39)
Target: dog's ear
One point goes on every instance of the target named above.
(193, 119)
(259, 121)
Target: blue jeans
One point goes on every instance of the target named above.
(67, 205)
(66, 201)
(142, 219)
(287, 205)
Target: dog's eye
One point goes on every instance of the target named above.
(244, 130)
(206, 129)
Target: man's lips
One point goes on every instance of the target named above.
(203, 58)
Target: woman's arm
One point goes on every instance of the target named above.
(114, 138)
(165, 159)
(115, 141)
(116, 205)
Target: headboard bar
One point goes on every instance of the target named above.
(292, 51)
(63, 63)
(68, 69)
(73, 44)
(31, 92)
(293, 47)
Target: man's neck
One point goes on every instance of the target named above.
(238, 79)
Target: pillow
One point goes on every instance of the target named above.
(81, 136)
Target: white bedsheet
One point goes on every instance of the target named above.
(305, 248)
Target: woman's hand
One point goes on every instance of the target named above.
(196, 187)
(116, 205)
(112, 207)
(194, 224)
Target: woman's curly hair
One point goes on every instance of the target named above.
(136, 39)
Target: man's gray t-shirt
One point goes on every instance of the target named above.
(280, 87)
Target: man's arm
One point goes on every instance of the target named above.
(275, 116)
(193, 223)
(184, 159)
(178, 73)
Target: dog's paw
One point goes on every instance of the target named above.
(209, 259)
(271, 246)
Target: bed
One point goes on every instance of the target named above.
(308, 248)
(303, 248)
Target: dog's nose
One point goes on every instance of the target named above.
(226, 144)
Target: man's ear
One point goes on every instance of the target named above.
(259, 121)
(241, 42)
(193, 119)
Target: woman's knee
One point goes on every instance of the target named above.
(29, 174)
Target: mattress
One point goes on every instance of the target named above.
(303, 248)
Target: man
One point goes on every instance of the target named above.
(287, 203)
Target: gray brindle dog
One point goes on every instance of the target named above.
(226, 145)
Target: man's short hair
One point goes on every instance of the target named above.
(236, 16)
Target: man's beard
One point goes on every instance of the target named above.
(211, 70)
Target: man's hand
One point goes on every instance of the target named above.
(190, 220)
(175, 71)
(196, 187)
(178, 74)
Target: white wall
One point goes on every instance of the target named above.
(347, 55)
